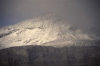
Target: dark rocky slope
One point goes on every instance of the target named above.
(50, 56)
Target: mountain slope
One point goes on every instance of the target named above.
(50, 56)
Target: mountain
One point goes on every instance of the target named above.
(39, 31)
(47, 41)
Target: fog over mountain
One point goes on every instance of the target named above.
(39, 31)
(49, 33)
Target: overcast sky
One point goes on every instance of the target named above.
(81, 13)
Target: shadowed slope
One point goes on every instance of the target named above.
(50, 56)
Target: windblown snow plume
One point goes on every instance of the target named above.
(39, 31)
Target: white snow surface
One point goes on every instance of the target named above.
(39, 31)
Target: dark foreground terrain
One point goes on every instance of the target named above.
(50, 56)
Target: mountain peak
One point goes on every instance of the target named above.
(38, 31)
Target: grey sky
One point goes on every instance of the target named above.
(81, 13)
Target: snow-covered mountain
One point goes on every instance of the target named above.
(39, 31)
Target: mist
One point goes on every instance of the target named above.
(81, 13)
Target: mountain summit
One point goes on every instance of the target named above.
(39, 31)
